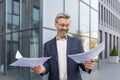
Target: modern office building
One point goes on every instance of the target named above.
(25, 25)
(109, 25)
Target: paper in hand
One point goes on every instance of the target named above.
(28, 62)
(87, 56)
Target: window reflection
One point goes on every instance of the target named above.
(48, 34)
(9, 18)
(15, 20)
(35, 13)
(9, 22)
(12, 47)
(34, 44)
(16, 7)
(35, 16)
(86, 1)
(94, 4)
(93, 43)
(94, 24)
(51, 9)
(86, 43)
(84, 19)
(16, 36)
(74, 17)
(13, 15)
(9, 6)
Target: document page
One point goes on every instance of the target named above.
(87, 56)
(28, 62)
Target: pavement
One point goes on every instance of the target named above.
(106, 71)
(6, 78)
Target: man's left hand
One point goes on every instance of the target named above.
(89, 64)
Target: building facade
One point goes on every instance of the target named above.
(25, 25)
(109, 25)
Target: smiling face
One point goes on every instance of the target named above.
(62, 26)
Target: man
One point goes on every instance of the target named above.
(60, 66)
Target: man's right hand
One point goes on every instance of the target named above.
(39, 69)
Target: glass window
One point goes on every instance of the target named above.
(74, 17)
(15, 27)
(35, 14)
(9, 18)
(100, 37)
(48, 35)
(9, 23)
(25, 16)
(86, 1)
(1, 57)
(15, 36)
(102, 13)
(29, 48)
(93, 43)
(107, 16)
(94, 24)
(15, 20)
(110, 42)
(94, 4)
(99, 14)
(8, 37)
(114, 40)
(51, 9)
(30, 15)
(84, 19)
(106, 39)
(16, 7)
(34, 44)
(86, 43)
(9, 6)
(12, 47)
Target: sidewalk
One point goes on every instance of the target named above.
(107, 71)
(5, 78)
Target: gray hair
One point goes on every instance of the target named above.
(62, 15)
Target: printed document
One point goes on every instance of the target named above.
(28, 62)
(87, 56)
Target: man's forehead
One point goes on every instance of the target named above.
(63, 20)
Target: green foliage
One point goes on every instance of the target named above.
(114, 52)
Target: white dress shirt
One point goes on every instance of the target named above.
(62, 60)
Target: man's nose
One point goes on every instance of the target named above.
(65, 27)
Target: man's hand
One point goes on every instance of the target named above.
(39, 69)
(89, 64)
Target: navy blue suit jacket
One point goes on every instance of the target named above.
(74, 46)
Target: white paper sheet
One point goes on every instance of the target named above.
(18, 55)
(86, 56)
(28, 62)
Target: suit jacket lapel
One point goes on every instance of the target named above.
(68, 45)
(55, 49)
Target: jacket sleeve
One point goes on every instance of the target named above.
(81, 64)
(46, 64)
(83, 68)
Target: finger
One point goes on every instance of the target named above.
(92, 60)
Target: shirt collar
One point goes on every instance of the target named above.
(61, 39)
